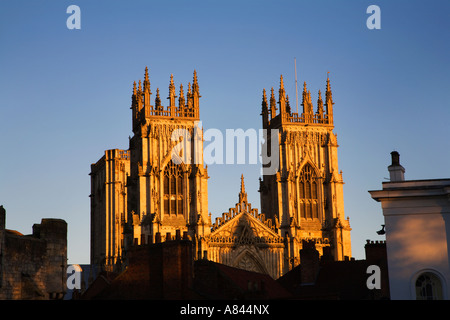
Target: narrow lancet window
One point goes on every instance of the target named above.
(173, 187)
(308, 193)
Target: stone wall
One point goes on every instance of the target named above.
(33, 267)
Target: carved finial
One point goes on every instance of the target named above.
(172, 95)
(329, 102)
(306, 101)
(195, 76)
(181, 100)
(264, 102)
(320, 106)
(273, 104)
(195, 94)
(328, 93)
(242, 193)
(134, 87)
(195, 88)
(264, 109)
(139, 97)
(288, 105)
(157, 99)
(282, 96)
(146, 81)
(189, 96)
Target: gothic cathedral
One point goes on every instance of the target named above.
(149, 193)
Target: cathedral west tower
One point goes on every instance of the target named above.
(157, 189)
(305, 196)
(167, 190)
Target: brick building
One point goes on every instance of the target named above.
(322, 278)
(168, 271)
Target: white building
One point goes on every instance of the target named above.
(417, 224)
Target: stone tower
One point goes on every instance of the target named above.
(156, 189)
(109, 206)
(167, 185)
(305, 195)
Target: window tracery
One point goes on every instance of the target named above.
(308, 193)
(173, 189)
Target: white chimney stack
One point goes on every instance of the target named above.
(396, 171)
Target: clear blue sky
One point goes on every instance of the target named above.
(65, 94)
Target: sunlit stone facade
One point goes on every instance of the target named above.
(153, 192)
(305, 197)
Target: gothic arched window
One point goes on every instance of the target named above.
(428, 287)
(308, 193)
(173, 191)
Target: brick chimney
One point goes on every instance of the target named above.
(375, 251)
(309, 262)
(2, 218)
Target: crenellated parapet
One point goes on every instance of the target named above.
(187, 106)
(322, 116)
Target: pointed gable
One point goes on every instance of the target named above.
(244, 228)
(244, 225)
(245, 239)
